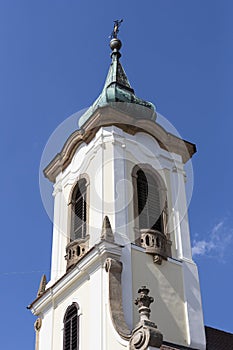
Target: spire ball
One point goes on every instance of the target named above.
(115, 44)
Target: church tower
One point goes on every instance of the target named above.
(120, 228)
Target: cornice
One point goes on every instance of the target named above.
(95, 257)
(107, 116)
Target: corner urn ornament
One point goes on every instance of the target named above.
(145, 334)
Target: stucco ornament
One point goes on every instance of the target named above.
(145, 334)
(38, 324)
(37, 327)
(114, 269)
(107, 234)
(42, 286)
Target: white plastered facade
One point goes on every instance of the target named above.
(108, 161)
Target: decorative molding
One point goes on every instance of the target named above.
(75, 182)
(37, 327)
(156, 243)
(114, 269)
(166, 347)
(57, 189)
(107, 233)
(145, 334)
(38, 324)
(157, 259)
(42, 286)
(75, 250)
(81, 271)
(126, 122)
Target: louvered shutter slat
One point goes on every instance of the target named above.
(71, 329)
(149, 207)
(79, 214)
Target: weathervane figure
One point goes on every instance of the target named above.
(116, 26)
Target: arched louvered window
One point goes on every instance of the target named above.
(79, 211)
(71, 328)
(149, 201)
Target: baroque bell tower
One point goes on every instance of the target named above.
(120, 228)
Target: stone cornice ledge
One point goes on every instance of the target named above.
(107, 116)
(95, 257)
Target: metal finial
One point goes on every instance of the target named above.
(115, 42)
(116, 26)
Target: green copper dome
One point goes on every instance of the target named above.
(117, 88)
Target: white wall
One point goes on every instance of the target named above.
(108, 160)
(87, 285)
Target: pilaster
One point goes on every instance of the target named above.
(59, 240)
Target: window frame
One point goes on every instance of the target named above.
(147, 168)
(71, 203)
(65, 320)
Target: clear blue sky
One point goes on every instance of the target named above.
(54, 58)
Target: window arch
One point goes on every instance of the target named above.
(150, 199)
(79, 211)
(71, 328)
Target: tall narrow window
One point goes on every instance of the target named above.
(71, 328)
(79, 211)
(150, 204)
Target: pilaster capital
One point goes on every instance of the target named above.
(57, 189)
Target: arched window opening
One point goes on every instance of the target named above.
(79, 211)
(151, 203)
(151, 213)
(71, 328)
